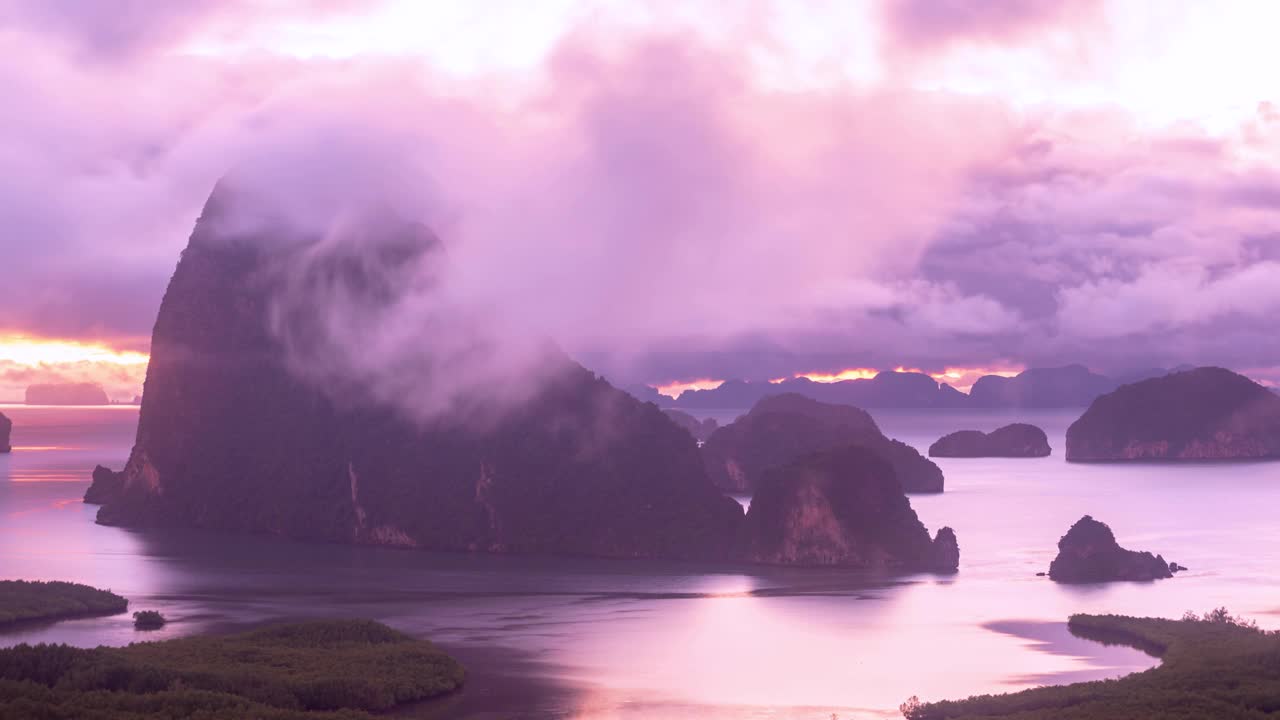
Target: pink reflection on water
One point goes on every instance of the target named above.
(51, 506)
(48, 533)
(41, 477)
(744, 645)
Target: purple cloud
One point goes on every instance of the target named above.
(926, 25)
(652, 205)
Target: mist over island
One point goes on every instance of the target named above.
(613, 360)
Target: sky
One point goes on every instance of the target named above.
(676, 192)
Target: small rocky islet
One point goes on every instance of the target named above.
(1089, 553)
(1016, 440)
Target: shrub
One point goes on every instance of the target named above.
(148, 620)
(23, 601)
(1213, 666)
(329, 669)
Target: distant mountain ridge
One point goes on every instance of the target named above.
(1042, 388)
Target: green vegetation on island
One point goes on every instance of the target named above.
(338, 669)
(148, 620)
(27, 601)
(1213, 666)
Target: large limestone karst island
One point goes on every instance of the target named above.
(1203, 414)
(6, 426)
(232, 436)
(235, 434)
(783, 428)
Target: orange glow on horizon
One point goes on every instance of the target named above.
(960, 378)
(963, 379)
(957, 373)
(33, 351)
(27, 360)
(850, 374)
(847, 374)
(673, 389)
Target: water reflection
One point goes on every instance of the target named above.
(556, 638)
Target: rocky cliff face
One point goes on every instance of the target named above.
(1089, 553)
(783, 428)
(6, 426)
(1203, 414)
(841, 507)
(231, 436)
(1018, 440)
(699, 429)
(106, 486)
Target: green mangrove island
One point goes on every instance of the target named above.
(1212, 666)
(23, 601)
(335, 669)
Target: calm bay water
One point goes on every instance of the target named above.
(573, 638)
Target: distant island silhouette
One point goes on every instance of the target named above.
(66, 394)
(1069, 386)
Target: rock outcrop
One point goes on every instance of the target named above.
(232, 436)
(107, 486)
(6, 427)
(66, 394)
(699, 429)
(1089, 553)
(1204, 414)
(783, 428)
(842, 507)
(1018, 440)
